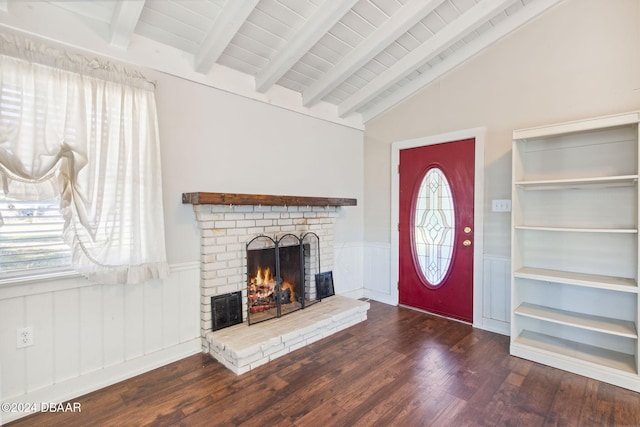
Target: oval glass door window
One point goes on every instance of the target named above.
(433, 231)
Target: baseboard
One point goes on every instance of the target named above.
(355, 294)
(380, 297)
(497, 326)
(79, 386)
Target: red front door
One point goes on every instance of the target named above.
(436, 228)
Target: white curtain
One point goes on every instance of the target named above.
(87, 130)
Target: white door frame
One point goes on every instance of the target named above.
(478, 209)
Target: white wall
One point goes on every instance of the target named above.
(88, 335)
(580, 59)
(215, 141)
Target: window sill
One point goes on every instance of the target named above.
(44, 276)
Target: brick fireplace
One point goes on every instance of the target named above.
(227, 222)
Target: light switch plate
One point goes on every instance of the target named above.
(502, 205)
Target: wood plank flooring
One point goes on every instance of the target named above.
(399, 368)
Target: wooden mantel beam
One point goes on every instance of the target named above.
(262, 200)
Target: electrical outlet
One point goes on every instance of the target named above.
(24, 337)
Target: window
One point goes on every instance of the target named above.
(83, 134)
(434, 227)
(31, 238)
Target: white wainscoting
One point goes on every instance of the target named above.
(496, 285)
(347, 269)
(377, 281)
(88, 336)
(496, 304)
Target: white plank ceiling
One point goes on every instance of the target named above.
(353, 59)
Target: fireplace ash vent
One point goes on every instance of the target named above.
(226, 310)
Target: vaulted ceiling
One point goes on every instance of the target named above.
(346, 61)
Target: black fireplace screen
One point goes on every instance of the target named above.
(281, 275)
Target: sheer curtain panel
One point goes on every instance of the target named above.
(85, 130)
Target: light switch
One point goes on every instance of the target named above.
(503, 205)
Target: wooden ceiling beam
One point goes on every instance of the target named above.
(224, 28)
(452, 33)
(477, 45)
(328, 15)
(398, 24)
(123, 22)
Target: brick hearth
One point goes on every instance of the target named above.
(241, 348)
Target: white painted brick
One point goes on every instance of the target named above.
(233, 216)
(262, 208)
(282, 352)
(220, 208)
(296, 215)
(285, 222)
(234, 247)
(310, 215)
(226, 256)
(225, 224)
(211, 266)
(255, 231)
(210, 283)
(228, 272)
(225, 240)
(209, 274)
(260, 362)
(237, 232)
(273, 215)
(235, 263)
(242, 208)
(254, 215)
(278, 208)
(213, 232)
(246, 223)
(238, 280)
(264, 222)
(208, 241)
(212, 249)
(221, 290)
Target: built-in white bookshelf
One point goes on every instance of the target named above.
(575, 252)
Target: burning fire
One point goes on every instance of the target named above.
(262, 288)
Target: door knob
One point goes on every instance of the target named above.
(466, 243)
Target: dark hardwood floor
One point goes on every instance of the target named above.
(399, 368)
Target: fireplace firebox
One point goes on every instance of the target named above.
(281, 275)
